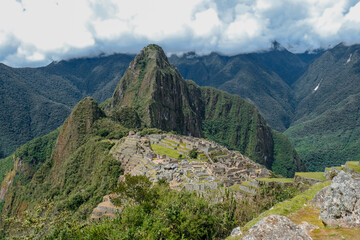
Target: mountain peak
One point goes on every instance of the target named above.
(276, 46)
(152, 82)
(151, 55)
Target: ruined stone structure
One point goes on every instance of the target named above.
(105, 209)
(215, 165)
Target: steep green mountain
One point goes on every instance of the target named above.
(326, 124)
(263, 78)
(35, 101)
(161, 98)
(71, 166)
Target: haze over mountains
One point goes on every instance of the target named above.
(308, 95)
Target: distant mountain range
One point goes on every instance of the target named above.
(311, 97)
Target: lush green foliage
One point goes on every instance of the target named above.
(127, 117)
(38, 150)
(84, 178)
(193, 153)
(6, 165)
(326, 131)
(286, 160)
(109, 129)
(149, 213)
(325, 142)
(236, 124)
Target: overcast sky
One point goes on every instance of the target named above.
(36, 32)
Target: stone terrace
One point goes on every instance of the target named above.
(214, 166)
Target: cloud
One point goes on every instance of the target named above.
(36, 32)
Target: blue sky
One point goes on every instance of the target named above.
(36, 32)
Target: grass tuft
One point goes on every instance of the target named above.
(313, 175)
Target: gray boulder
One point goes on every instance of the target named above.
(236, 232)
(341, 206)
(308, 227)
(276, 227)
(319, 198)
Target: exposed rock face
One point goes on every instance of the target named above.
(342, 204)
(319, 198)
(276, 227)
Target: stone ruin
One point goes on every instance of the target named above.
(215, 166)
(105, 209)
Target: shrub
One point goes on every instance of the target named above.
(193, 153)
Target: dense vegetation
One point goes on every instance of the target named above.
(154, 212)
(6, 165)
(236, 124)
(75, 174)
(286, 159)
(327, 127)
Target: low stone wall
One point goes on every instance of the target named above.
(311, 181)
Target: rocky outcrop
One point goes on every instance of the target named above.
(341, 206)
(319, 198)
(308, 227)
(275, 227)
(236, 232)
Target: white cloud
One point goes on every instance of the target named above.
(34, 32)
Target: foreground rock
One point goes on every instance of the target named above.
(319, 198)
(236, 232)
(341, 206)
(308, 227)
(276, 227)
